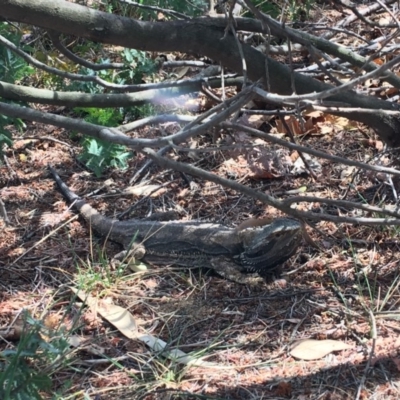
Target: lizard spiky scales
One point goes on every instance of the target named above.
(230, 252)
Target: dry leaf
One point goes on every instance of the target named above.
(311, 349)
(86, 343)
(181, 72)
(377, 144)
(347, 173)
(299, 167)
(310, 126)
(293, 124)
(314, 114)
(260, 162)
(256, 121)
(145, 190)
(123, 320)
(383, 21)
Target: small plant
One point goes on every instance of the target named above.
(139, 65)
(22, 370)
(97, 272)
(267, 7)
(100, 116)
(13, 68)
(97, 154)
(300, 10)
(5, 134)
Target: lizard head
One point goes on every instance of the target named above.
(269, 246)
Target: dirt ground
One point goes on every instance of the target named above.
(346, 289)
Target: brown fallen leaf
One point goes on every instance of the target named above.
(145, 190)
(311, 349)
(86, 343)
(124, 321)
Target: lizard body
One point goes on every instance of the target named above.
(230, 252)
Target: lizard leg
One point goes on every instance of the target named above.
(130, 256)
(135, 252)
(229, 270)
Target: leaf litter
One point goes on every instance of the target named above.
(248, 329)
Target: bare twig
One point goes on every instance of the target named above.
(96, 79)
(330, 92)
(211, 95)
(321, 43)
(51, 70)
(113, 135)
(55, 38)
(367, 21)
(49, 138)
(304, 149)
(43, 239)
(362, 12)
(3, 213)
(272, 201)
(155, 119)
(290, 133)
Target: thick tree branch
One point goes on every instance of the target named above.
(189, 36)
(79, 99)
(221, 111)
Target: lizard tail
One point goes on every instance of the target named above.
(96, 220)
(65, 190)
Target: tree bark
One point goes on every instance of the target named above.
(193, 36)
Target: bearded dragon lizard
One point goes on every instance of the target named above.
(236, 254)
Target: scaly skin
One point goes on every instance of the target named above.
(231, 252)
